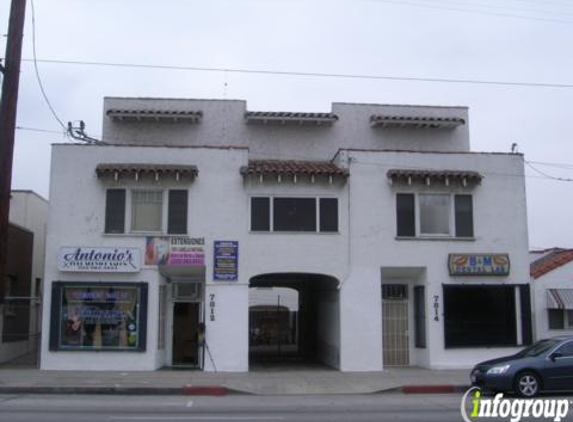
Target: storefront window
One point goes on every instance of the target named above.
(90, 316)
(477, 316)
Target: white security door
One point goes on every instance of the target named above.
(395, 342)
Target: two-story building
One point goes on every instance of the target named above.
(403, 247)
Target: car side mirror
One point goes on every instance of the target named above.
(555, 355)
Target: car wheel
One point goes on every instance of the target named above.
(527, 384)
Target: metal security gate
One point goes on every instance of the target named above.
(395, 342)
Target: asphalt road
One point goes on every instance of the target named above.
(382, 407)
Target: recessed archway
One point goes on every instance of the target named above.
(294, 320)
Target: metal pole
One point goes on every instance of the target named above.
(279, 324)
(8, 106)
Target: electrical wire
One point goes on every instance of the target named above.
(496, 7)
(303, 74)
(506, 15)
(33, 129)
(542, 174)
(548, 176)
(35, 60)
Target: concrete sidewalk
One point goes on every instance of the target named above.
(258, 382)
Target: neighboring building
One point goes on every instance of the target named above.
(552, 285)
(20, 316)
(397, 238)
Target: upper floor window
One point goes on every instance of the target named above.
(291, 214)
(147, 208)
(436, 214)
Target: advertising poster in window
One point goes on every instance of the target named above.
(176, 251)
(92, 316)
(226, 261)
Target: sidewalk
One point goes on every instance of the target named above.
(257, 382)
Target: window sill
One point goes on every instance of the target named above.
(144, 234)
(294, 233)
(437, 238)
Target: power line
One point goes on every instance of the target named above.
(496, 7)
(564, 166)
(547, 176)
(37, 70)
(507, 15)
(33, 129)
(303, 74)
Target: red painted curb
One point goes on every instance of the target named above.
(428, 389)
(203, 390)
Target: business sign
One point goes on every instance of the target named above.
(99, 259)
(179, 251)
(478, 264)
(226, 261)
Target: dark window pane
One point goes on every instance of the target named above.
(420, 316)
(556, 319)
(260, 214)
(464, 216)
(328, 214)
(479, 316)
(566, 349)
(405, 215)
(294, 214)
(177, 212)
(115, 211)
(394, 291)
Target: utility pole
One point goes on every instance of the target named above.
(8, 106)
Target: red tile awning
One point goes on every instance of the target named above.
(285, 117)
(190, 116)
(417, 175)
(291, 168)
(104, 169)
(416, 122)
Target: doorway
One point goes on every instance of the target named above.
(395, 340)
(185, 339)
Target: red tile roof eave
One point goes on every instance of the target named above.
(549, 263)
(276, 167)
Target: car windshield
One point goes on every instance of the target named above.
(538, 348)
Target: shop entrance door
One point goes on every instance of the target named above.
(395, 341)
(185, 342)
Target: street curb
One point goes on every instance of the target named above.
(434, 389)
(207, 390)
(130, 391)
(203, 390)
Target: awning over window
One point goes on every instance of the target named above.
(183, 274)
(430, 176)
(138, 170)
(279, 168)
(560, 299)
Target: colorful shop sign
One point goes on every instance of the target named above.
(180, 251)
(478, 264)
(99, 259)
(226, 261)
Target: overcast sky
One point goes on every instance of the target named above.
(483, 40)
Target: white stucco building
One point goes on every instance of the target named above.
(552, 291)
(405, 247)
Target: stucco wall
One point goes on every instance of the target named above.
(559, 278)
(223, 123)
(499, 227)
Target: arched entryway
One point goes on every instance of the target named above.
(294, 319)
